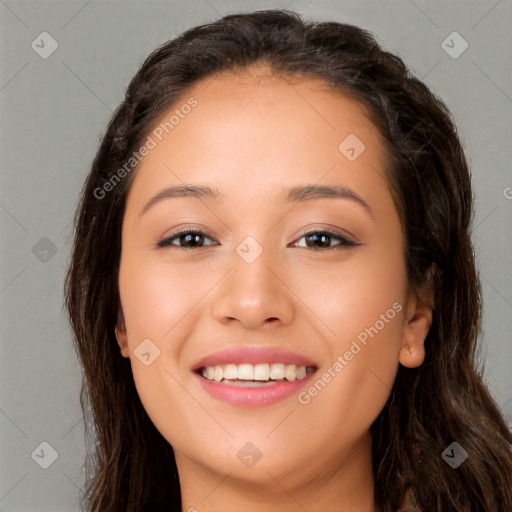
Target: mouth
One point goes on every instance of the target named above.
(258, 375)
(253, 376)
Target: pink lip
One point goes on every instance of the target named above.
(252, 397)
(246, 396)
(253, 355)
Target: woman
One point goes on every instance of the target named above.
(272, 285)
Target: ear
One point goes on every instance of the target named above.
(121, 336)
(418, 319)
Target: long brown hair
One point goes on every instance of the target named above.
(131, 467)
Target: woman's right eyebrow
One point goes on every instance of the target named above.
(197, 191)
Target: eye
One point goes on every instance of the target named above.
(321, 240)
(316, 240)
(187, 239)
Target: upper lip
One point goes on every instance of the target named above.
(253, 355)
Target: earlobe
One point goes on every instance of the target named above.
(412, 356)
(418, 321)
(122, 341)
(121, 336)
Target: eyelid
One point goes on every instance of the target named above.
(329, 229)
(165, 241)
(187, 228)
(344, 240)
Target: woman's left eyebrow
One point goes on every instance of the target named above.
(310, 192)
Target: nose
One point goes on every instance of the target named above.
(255, 295)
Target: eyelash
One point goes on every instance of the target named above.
(344, 241)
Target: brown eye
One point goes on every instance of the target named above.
(187, 239)
(318, 240)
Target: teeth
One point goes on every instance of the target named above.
(301, 372)
(277, 371)
(245, 371)
(249, 383)
(230, 371)
(263, 372)
(290, 372)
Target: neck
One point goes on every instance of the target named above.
(326, 483)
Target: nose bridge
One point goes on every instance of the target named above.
(252, 293)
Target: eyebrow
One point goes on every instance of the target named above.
(309, 192)
(197, 191)
(295, 195)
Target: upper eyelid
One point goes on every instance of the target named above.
(331, 232)
(183, 232)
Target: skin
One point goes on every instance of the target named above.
(250, 137)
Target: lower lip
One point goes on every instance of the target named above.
(252, 397)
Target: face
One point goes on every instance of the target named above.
(275, 278)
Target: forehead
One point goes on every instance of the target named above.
(309, 97)
(258, 131)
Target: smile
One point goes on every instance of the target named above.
(253, 377)
(257, 375)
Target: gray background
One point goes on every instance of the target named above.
(53, 113)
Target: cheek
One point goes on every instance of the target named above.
(362, 304)
(349, 298)
(157, 297)
(161, 303)
(153, 304)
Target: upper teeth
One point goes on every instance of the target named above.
(260, 372)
